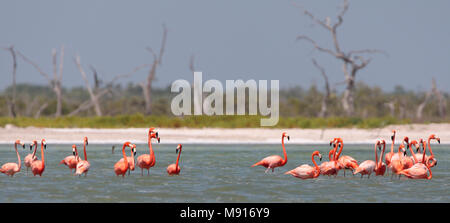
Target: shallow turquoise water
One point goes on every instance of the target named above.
(215, 173)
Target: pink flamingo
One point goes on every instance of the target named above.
(397, 165)
(271, 162)
(431, 157)
(418, 153)
(306, 171)
(367, 167)
(407, 161)
(174, 168)
(331, 167)
(12, 168)
(388, 156)
(419, 169)
(38, 166)
(381, 166)
(130, 159)
(72, 160)
(148, 160)
(83, 165)
(346, 162)
(32, 156)
(121, 167)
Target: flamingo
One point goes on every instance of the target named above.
(367, 167)
(148, 160)
(12, 168)
(32, 156)
(38, 166)
(306, 171)
(388, 156)
(331, 167)
(174, 169)
(381, 166)
(83, 165)
(431, 157)
(396, 165)
(121, 167)
(419, 154)
(407, 161)
(130, 159)
(72, 160)
(419, 169)
(346, 162)
(271, 162)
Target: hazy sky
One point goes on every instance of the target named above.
(230, 39)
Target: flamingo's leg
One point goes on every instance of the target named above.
(268, 168)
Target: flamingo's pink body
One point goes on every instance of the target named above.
(146, 161)
(72, 160)
(12, 168)
(271, 162)
(83, 165)
(30, 158)
(419, 170)
(38, 166)
(174, 169)
(306, 171)
(332, 167)
(368, 167)
(121, 167)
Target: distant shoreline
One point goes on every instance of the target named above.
(9, 134)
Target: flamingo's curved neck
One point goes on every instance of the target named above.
(376, 155)
(284, 150)
(381, 155)
(42, 154)
(393, 142)
(412, 153)
(315, 164)
(84, 145)
(431, 174)
(341, 146)
(18, 157)
(125, 160)
(178, 159)
(35, 148)
(150, 145)
(429, 146)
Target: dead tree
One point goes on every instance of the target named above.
(352, 61)
(55, 82)
(428, 96)
(326, 97)
(12, 102)
(96, 95)
(147, 84)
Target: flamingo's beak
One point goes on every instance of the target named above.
(176, 151)
(331, 142)
(159, 140)
(31, 147)
(392, 138)
(156, 134)
(439, 140)
(288, 138)
(320, 157)
(45, 145)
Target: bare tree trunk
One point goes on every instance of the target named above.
(12, 103)
(351, 59)
(41, 108)
(147, 85)
(440, 99)
(419, 111)
(326, 97)
(94, 98)
(391, 107)
(55, 82)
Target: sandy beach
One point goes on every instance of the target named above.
(9, 134)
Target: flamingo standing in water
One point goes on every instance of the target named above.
(83, 165)
(148, 160)
(419, 154)
(306, 171)
(388, 156)
(397, 165)
(174, 168)
(121, 167)
(32, 156)
(345, 162)
(419, 169)
(130, 159)
(367, 167)
(271, 162)
(12, 168)
(431, 157)
(381, 166)
(38, 166)
(72, 160)
(331, 167)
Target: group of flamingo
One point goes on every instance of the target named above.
(121, 167)
(415, 166)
